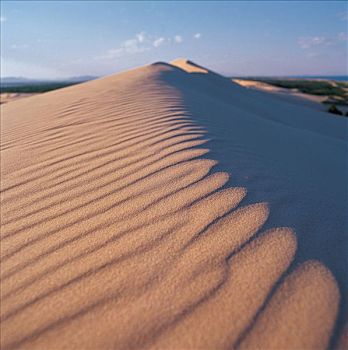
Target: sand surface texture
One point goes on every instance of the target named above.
(6, 97)
(168, 208)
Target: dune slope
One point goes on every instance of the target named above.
(122, 227)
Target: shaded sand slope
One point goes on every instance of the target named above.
(292, 157)
(120, 230)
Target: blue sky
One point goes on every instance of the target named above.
(57, 39)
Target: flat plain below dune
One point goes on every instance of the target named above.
(168, 208)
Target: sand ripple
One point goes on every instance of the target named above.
(117, 232)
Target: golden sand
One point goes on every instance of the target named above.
(118, 233)
(6, 97)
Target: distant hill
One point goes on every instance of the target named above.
(80, 79)
(21, 81)
(17, 80)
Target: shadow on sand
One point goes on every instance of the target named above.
(289, 156)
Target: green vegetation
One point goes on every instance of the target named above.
(334, 110)
(336, 92)
(314, 87)
(35, 87)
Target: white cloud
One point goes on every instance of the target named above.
(141, 37)
(3, 19)
(178, 39)
(307, 42)
(158, 42)
(310, 42)
(19, 46)
(132, 46)
(139, 43)
(197, 35)
(128, 47)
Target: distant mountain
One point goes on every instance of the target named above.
(81, 78)
(15, 81)
(12, 80)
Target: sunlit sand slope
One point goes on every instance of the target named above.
(118, 232)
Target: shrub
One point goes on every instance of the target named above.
(334, 110)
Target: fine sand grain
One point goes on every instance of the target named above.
(121, 231)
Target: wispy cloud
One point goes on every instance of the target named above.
(141, 37)
(131, 46)
(139, 43)
(197, 35)
(158, 42)
(178, 39)
(19, 46)
(3, 19)
(311, 42)
(307, 42)
(128, 47)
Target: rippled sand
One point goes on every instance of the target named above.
(119, 232)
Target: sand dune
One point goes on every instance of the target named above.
(287, 95)
(168, 208)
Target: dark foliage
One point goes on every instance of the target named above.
(35, 88)
(334, 110)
